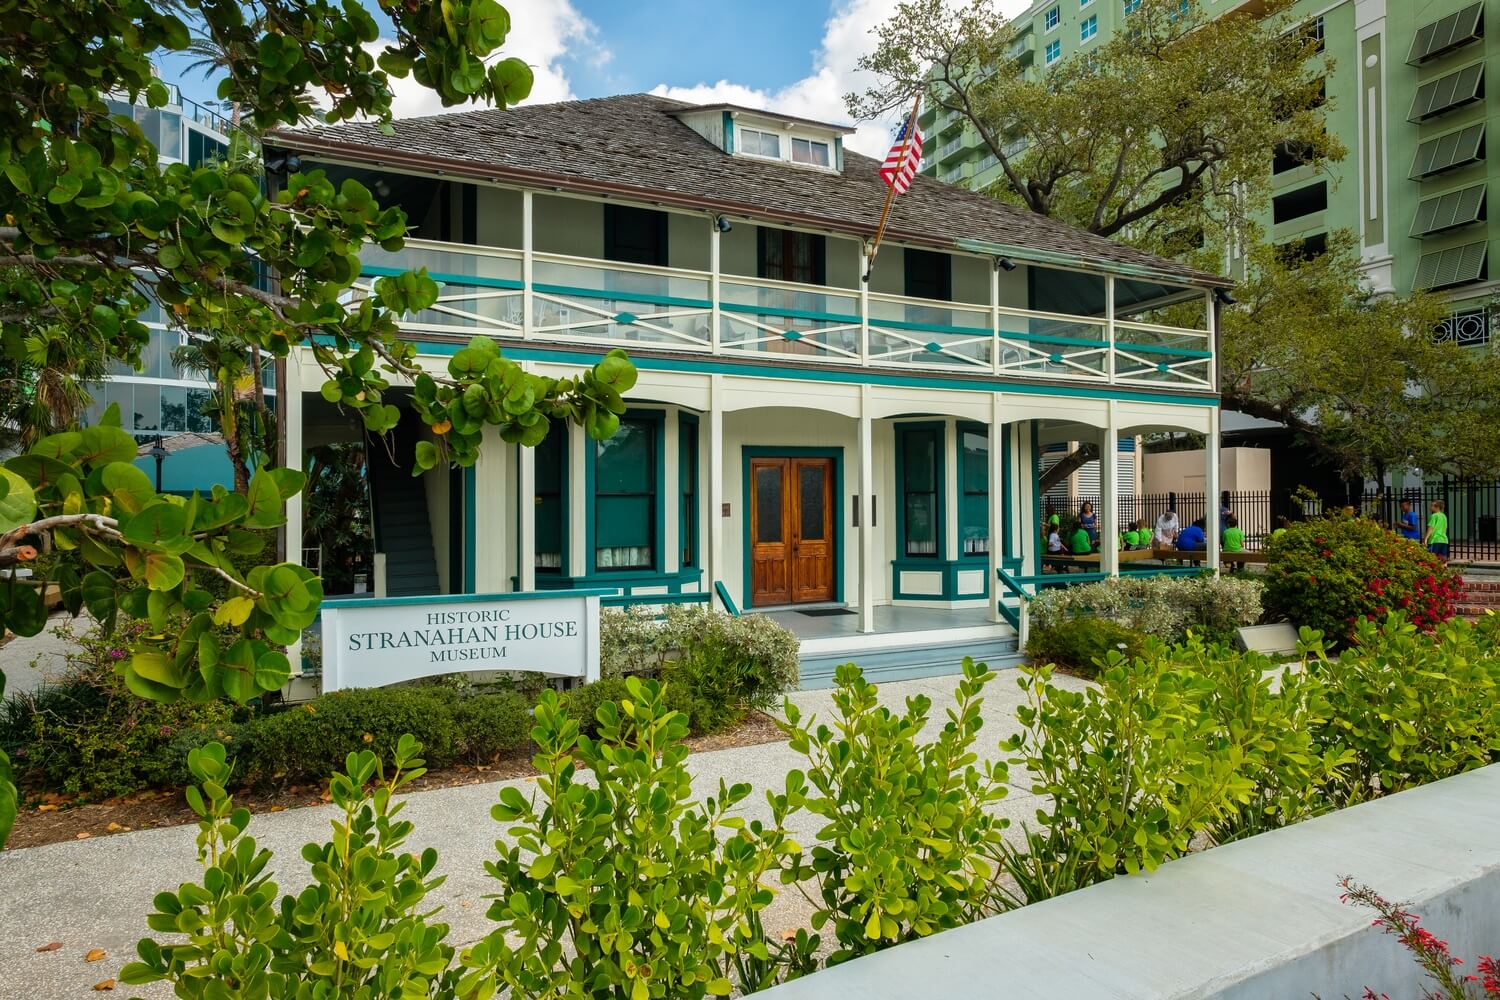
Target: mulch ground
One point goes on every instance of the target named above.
(49, 818)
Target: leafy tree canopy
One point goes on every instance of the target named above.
(93, 229)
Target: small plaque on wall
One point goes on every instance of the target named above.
(725, 511)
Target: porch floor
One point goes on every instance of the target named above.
(907, 642)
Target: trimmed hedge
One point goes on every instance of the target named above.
(1083, 644)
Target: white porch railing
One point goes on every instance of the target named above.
(580, 300)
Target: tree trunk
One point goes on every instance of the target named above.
(1062, 470)
(229, 426)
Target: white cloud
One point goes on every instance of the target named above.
(820, 95)
(543, 33)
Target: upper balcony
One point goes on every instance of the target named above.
(550, 268)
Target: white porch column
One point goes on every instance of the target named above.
(526, 500)
(864, 305)
(1109, 324)
(527, 264)
(994, 324)
(1109, 494)
(952, 544)
(1211, 489)
(713, 284)
(998, 488)
(292, 407)
(716, 567)
(672, 499)
(867, 567)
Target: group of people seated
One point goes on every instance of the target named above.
(1168, 533)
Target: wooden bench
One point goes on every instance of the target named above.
(1092, 559)
(1201, 555)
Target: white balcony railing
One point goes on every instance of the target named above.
(584, 301)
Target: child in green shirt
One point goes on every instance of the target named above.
(1437, 531)
(1234, 538)
(1082, 545)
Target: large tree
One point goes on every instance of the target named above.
(1163, 136)
(93, 230)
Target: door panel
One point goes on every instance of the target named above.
(770, 517)
(791, 530)
(812, 545)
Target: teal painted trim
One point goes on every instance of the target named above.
(622, 296)
(851, 375)
(950, 569)
(658, 541)
(725, 599)
(740, 307)
(1007, 458)
(627, 601)
(901, 324)
(1036, 493)
(626, 582)
(729, 133)
(471, 520)
(941, 502)
(405, 602)
(1159, 349)
(747, 452)
(380, 271)
(565, 530)
(1039, 338)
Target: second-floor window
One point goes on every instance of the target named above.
(785, 255)
(929, 275)
(1052, 17)
(635, 235)
(1131, 6)
(1054, 52)
(1088, 29)
(808, 151)
(757, 143)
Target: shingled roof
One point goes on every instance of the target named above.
(635, 144)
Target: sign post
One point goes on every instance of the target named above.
(371, 642)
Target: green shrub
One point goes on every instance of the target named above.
(619, 887)
(1411, 707)
(88, 735)
(719, 666)
(487, 725)
(361, 928)
(305, 742)
(1329, 574)
(583, 703)
(910, 837)
(1162, 606)
(1082, 644)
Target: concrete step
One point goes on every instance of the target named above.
(900, 663)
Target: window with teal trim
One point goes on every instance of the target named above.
(974, 495)
(1131, 6)
(1054, 52)
(551, 500)
(921, 505)
(687, 446)
(1052, 17)
(1088, 29)
(625, 498)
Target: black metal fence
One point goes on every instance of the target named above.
(1472, 506)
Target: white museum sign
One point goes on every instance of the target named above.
(372, 642)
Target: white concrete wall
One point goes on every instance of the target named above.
(1259, 919)
(568, 226)
(1184, 471)
(498, 217)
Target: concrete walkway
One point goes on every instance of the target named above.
(34, 660)
(96, 893)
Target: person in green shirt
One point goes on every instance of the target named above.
(1131, 538)
(1437, 531)
(1081, 543)
(1234, 538)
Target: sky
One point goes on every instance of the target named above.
(794, 56)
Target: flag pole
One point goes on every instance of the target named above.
(890, 191)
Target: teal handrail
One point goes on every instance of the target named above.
(724, 597)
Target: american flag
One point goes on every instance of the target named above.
(905, 157)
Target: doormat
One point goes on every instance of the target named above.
(825, 612)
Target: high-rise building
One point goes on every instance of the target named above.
(160, 399)
(1407, 97)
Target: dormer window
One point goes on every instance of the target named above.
(808, 151)
(757, 143)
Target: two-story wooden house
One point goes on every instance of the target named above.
(859, 458)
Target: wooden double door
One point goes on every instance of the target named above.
(791, 530)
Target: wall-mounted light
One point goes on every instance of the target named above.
(382, 188)
(722, 224)
(1004, 264)
(1224, 297)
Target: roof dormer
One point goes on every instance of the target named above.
(761, 135)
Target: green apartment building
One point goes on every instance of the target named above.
(1407, 96)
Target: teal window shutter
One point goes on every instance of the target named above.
(625, 471)
(687, 473)
(1455, 266)
(1449, 211)
(974, 484)
(552, 500)
(1449, 151)
(921, 473)
(1447, 93)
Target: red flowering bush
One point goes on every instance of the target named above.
(1443, 968)
(1331, 573)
